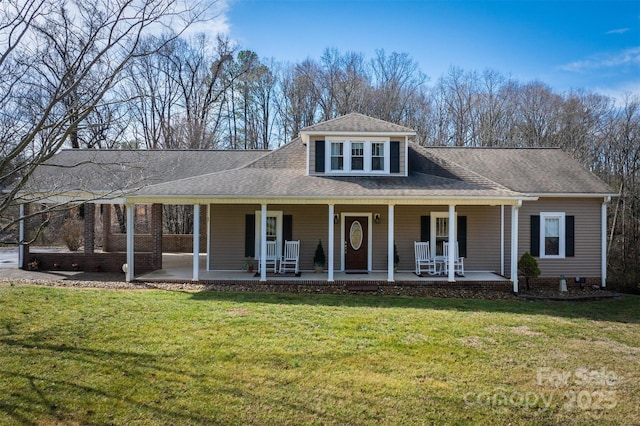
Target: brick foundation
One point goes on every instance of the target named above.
(554, 282)
(92, 262)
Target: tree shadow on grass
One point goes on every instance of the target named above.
(42, 394)
(624, 309)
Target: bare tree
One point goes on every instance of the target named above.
(58, 63)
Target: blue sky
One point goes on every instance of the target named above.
(570, 44)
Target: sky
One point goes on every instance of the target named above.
(566, 44)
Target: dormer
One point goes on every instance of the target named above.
(356, 145)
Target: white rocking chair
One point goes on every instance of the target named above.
(458, 262)
(271, 257)
(423, 258)
(291, 258)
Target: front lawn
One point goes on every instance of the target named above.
(156, 357)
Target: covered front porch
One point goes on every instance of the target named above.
(178, 267)
(237, 230)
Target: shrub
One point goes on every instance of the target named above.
(528, 266)
(319, 258)
(73, 233)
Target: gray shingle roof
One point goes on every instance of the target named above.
(433, 171)
(527, 170)
(115, 171)
(282, 173)
(355, 122)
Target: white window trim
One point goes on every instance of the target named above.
(346, 155)
(258, 236)
(432, 238)
(561, 240)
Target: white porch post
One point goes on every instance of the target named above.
(330, 244)
(514, 245)
(196, 242)
(263, 243)
(390, 261)
(452, 243)
(131, 208)
(502, 240)
(21, 238)
(208, 237)
(603, 238)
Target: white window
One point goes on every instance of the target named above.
(337, 156)
(358, 155)
(552, 235)
(377, 156)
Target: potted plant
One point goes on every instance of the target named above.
(319, 258)
(396, 258)
(248, 264)
(34, 264)
(528, 266)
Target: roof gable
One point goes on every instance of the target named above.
(356, 123)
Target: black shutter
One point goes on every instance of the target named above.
(250, 235)
(320, 156)
(395, 157)
(535, 236)
(287, 229)
(425, 228)
(569, 236)
(462, 236)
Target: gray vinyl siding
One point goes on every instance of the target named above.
(483, 234)
(310, 223)
(587, 260)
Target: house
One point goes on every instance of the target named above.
(363, 188)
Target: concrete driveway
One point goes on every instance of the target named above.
(8, 257)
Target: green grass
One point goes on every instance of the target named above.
(151, 357)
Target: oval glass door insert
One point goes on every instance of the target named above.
(355, 235)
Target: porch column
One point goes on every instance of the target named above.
(603, 238)
(208, 237)
(196, 242)
(452, 244)
(106, 226)
(514, 245)
(130, 247)
(263, 243)
(156, 236)
(89, 227)
(502, 240)
(23, 249)
(390, 245)
(330, 244)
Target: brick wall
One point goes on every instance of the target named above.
(92, 262)
(554, 282)
(173, 243)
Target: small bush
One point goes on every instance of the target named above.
(528, 266)
(73, 233)
(319, 258)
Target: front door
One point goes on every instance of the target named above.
(356, 242)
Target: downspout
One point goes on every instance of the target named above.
(603, 240)
(514, 244)
(502, 240)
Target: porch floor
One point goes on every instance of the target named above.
(178, 267)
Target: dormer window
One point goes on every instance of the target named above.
(377, 156)
(359, 155)
(337, 158)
